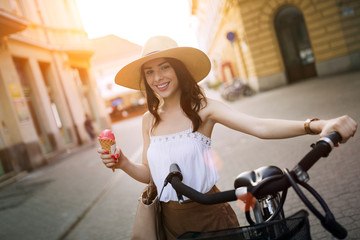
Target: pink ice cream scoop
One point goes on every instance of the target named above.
(107, 134)
(107, 141)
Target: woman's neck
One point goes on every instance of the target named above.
(171, 103)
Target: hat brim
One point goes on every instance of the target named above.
(197, 62)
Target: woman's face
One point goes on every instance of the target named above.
(161, 77)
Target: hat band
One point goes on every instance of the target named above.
(151, 53)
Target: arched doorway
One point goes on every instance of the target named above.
(227, 72)
(294, 44)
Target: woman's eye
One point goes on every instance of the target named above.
(165, 67)
(148, 72)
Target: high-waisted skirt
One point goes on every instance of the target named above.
(192, 216)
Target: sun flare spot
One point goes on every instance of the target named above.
(213, 160)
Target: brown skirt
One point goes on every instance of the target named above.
(192, 216)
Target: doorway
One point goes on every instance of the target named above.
(28, 87)
(295, 45)
(81, 78)
(55, 102)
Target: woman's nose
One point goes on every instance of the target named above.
(158, 76)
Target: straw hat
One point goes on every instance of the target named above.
(195, 61)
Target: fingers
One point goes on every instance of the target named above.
(108, 162)
(345, 126)
(102, 151)
(351, 127)
(117, 151)
(108, 159)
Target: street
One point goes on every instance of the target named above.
(77, 198)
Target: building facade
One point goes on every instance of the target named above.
(46, 86)
(111, 54)
(270, 43)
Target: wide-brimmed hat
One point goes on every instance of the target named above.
(196, 61)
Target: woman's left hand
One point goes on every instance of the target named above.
(344, 125)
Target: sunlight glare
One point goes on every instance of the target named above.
(137, 20)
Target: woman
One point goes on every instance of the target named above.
(178, 127)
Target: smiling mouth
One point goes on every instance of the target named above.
(163, 86)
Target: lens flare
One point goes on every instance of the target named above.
(246, 202)
(213, 160)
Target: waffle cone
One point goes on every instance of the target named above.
(106, 145)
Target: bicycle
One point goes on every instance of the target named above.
(232, 92)
(266, 184)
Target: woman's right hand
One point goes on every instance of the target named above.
(116, 160)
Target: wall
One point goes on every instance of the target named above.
(333, 27)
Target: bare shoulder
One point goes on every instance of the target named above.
(214, 103)
(212, 106)
(209, 111)
(146, 118)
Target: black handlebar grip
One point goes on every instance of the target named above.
(335, 228)
(174, 171)
(321, 149)
(335, 137)
(174, 168)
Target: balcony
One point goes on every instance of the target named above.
(10, 23)
(78, 51)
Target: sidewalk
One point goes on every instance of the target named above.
(44, 203)
(54, 160)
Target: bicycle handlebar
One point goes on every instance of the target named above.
(214, 198)
(175, 178)
(321, 149)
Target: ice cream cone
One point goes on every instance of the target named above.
(107, 144)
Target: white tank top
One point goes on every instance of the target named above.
(192, 152)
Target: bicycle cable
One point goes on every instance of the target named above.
(305, 199)
(157, 210)
(328, 221)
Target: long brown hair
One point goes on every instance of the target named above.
(192, 98)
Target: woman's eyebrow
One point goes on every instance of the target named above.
(158, 65)
(162, 63)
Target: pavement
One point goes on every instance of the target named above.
(77, 198)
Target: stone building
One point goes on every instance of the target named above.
(46, 86)
(270, 43)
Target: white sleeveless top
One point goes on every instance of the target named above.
(192, 152)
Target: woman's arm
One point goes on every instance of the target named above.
(276, 128)
(138, 171)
